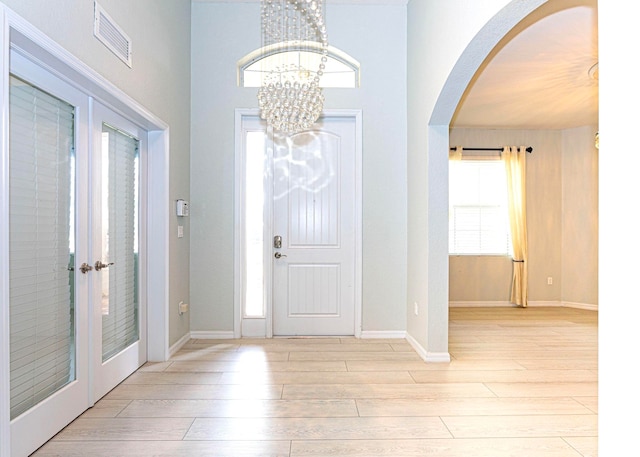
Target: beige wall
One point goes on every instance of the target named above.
(561, 215)
(580, 216)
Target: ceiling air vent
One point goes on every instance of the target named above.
(111, 35)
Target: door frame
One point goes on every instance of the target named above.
(17, 33)
(263, 327)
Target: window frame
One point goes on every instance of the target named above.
(501, 204)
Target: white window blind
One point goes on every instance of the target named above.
(120, 241)
(42, 341)
(478, 211)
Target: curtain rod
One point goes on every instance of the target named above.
(529, 149)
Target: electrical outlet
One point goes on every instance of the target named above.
(549, 281)
(415, 308)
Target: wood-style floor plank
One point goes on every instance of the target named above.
(240, 408)
(166, 449)
(487, 447)
(359, 428)
(558, 425)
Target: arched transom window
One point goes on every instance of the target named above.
(341, 70)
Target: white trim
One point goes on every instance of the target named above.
(564, 304)
(544, 304)
(175, 347)
(422, 352)
(429, 357)
(531, 304)
(5, 398)
(158, 246)
(480, 304)
(212, 335)
(383, 334)
(254, 327)
(437, 357)
(587, 306)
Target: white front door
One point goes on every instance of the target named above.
(314, 229)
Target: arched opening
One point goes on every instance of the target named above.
(535, 87)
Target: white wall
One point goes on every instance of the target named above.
(375, 35)
(159, 80)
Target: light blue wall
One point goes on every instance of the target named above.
(375, 35)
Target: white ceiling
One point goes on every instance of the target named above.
(538, 76)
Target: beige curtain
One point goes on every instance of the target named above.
(515, 164)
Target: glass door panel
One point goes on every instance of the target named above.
(119, 276)
(41, 245)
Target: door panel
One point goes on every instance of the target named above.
(120, 345)
(48, 293)
(314, 213)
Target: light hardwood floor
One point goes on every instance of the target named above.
(522, 382)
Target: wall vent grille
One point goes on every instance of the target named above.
(111, 34)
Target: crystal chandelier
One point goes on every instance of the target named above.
(290, 97)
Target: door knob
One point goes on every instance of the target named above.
(85, 267)
(277, 255)
(99, 265)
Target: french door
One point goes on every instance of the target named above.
(77, 323)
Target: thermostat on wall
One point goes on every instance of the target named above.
(182, 208)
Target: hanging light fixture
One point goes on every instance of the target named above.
(290, 97)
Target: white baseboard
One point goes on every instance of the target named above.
(438, 357)
(563, 304)
(422, 352)
(429, 357)
(178, 344)
(544, 304)
(532, 304)
(383, 334)
(212, 335)
(480, 304)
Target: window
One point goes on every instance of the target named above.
(341, 70)
(478, 208)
